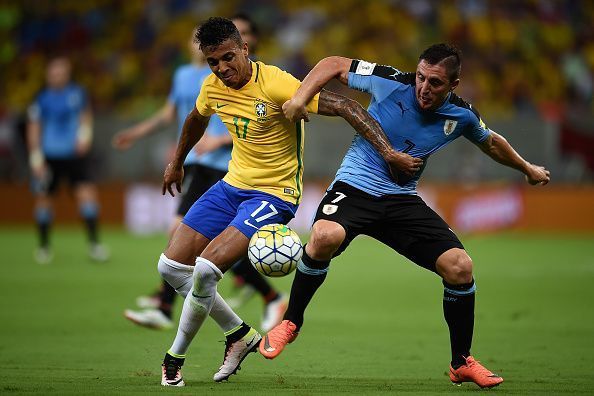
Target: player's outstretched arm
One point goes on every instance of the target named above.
(332, 104)
(324, 71)
(192, 130)
(36, 157)
(125, 138)
(499, 149)
(84, 138)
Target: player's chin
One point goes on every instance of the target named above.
(229, 81)
(425, 104)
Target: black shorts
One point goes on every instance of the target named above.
(76, 171)
(403, 222)
(197, 180)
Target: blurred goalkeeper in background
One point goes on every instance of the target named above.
(205, 165)
(59, 139)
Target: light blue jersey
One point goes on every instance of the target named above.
(187, 81)
(58, 111)
(409, 128)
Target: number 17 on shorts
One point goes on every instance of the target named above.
(255, 213)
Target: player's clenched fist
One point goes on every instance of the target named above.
(174, 174)
(295, 110)
(403, 163)
(537, 174)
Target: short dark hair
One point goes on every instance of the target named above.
(215, 31)
(447, 54)
(246, 18)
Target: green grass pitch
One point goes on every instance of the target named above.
(375, 327)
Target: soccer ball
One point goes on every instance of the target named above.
(275, 250)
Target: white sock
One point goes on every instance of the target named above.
(180, 277)
(197, 304)
(222, 313)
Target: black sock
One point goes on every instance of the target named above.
(91, 223)
(458, 311)
(167, 297)
(252, 277)
(239, 333)
(43, 229)
(307, 280)
(43, 219)
(169, 359)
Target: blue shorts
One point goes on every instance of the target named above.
(247, 210)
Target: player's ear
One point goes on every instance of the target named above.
(454, 84)
(245, 49)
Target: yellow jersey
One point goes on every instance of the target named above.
(267, 150)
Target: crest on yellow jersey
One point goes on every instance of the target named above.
(261, 110)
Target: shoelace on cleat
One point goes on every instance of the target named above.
(228, 347)
(227, 350)
(283, 336)
(171, 370)
(477, 367)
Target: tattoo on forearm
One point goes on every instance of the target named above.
(333, 104)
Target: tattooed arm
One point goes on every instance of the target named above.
(192, 130)
(336, 67)
(332, 104)
(328, 68)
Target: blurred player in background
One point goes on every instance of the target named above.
(420, 114)
(263, 185)
(59, 135)
(205, 165)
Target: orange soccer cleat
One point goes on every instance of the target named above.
(275, 341)
(474, 371)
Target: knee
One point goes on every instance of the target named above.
(457, 269)
(206, 275)
(325, 239)
(86, 192)
(163, 268)
(178, 275)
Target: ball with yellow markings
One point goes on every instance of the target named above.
(275, 250)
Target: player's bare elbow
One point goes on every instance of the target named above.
(339, 65)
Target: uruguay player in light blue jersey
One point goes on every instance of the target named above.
(59, 135)
(205, 165)
(420, 114)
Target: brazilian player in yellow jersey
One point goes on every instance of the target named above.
(267, 148)
(263, 185)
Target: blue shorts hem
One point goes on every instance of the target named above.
(197, 229)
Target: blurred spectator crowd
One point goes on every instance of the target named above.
(531, 58)
(530, 55)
